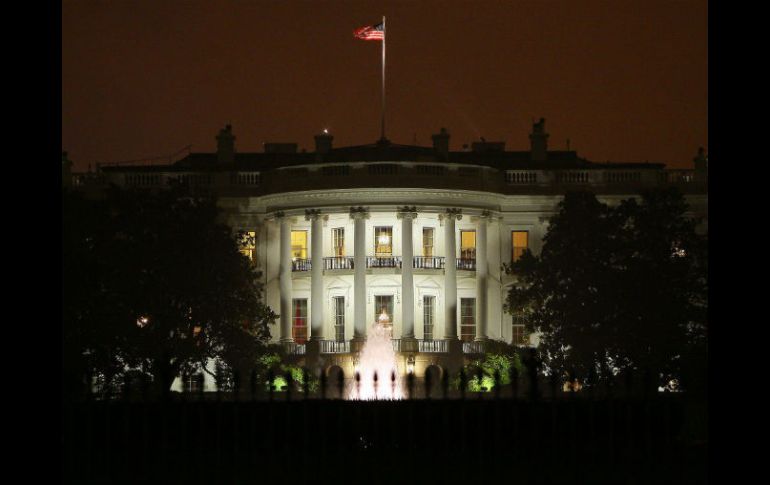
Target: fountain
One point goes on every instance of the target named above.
(378, 359)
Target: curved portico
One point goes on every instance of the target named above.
(363, 259)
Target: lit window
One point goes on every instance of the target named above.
(427, 242)
(467, 319)
(383, 304)
(338, 241)
(383, 241)
(468, 244)
(247, 242)
(428, 303)
(298, 244)
(519, 243)
(339, 318)
(299, 322)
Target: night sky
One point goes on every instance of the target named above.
(625, 81)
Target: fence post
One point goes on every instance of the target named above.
(554, 384)
(270, 382)
(445, 383)
(532, 374)
(515, 382)
(463, 383)
(322, 379)
(253, 384)
(410, 384)
(341, 384)
(145, 386)
(497, 384)
(289, 383)
(629, 382)
(427, 384)
(236, 384)
(199, 380)
(126, 386)
(305, 382)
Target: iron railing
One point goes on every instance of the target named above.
(338, 262)
(475, 347)
(428, 262)
(293, 348)
(468, 264)
(335, 347)
(300, 265)
(383, 261)
(433, 346)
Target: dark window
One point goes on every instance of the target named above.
(428, 304)
(339, 318)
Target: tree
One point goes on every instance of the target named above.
(665, 281)
(164, 286)
(615, 288)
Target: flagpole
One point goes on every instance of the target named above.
(384, 35)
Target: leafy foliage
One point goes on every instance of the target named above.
(616, 288)
(275, 362)
(499, 358)
(153, 281)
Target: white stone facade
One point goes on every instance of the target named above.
(498, 214)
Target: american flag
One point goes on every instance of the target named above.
(371, 32)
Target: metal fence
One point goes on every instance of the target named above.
(527, 429)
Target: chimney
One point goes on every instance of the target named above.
(66, 170)
(323, 142)
(538, 141)
(441, 144)
(226, 145)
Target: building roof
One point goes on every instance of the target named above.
(381, 152)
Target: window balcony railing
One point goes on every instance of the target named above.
(473, 347)
(334, 347)
(466, 264)
(300, 265)
(432, 346)
(428, 262)
(338, 262)
(293, 348)
(383, 261)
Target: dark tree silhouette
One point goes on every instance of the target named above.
(154, 281)
(616, 287)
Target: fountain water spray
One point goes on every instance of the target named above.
(377, 365)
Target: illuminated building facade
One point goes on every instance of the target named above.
(343, 235)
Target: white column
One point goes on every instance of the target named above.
(284, 277)
(450, 274)
(481, 277)
(407, 216)
(359, 215)
(316, 274)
